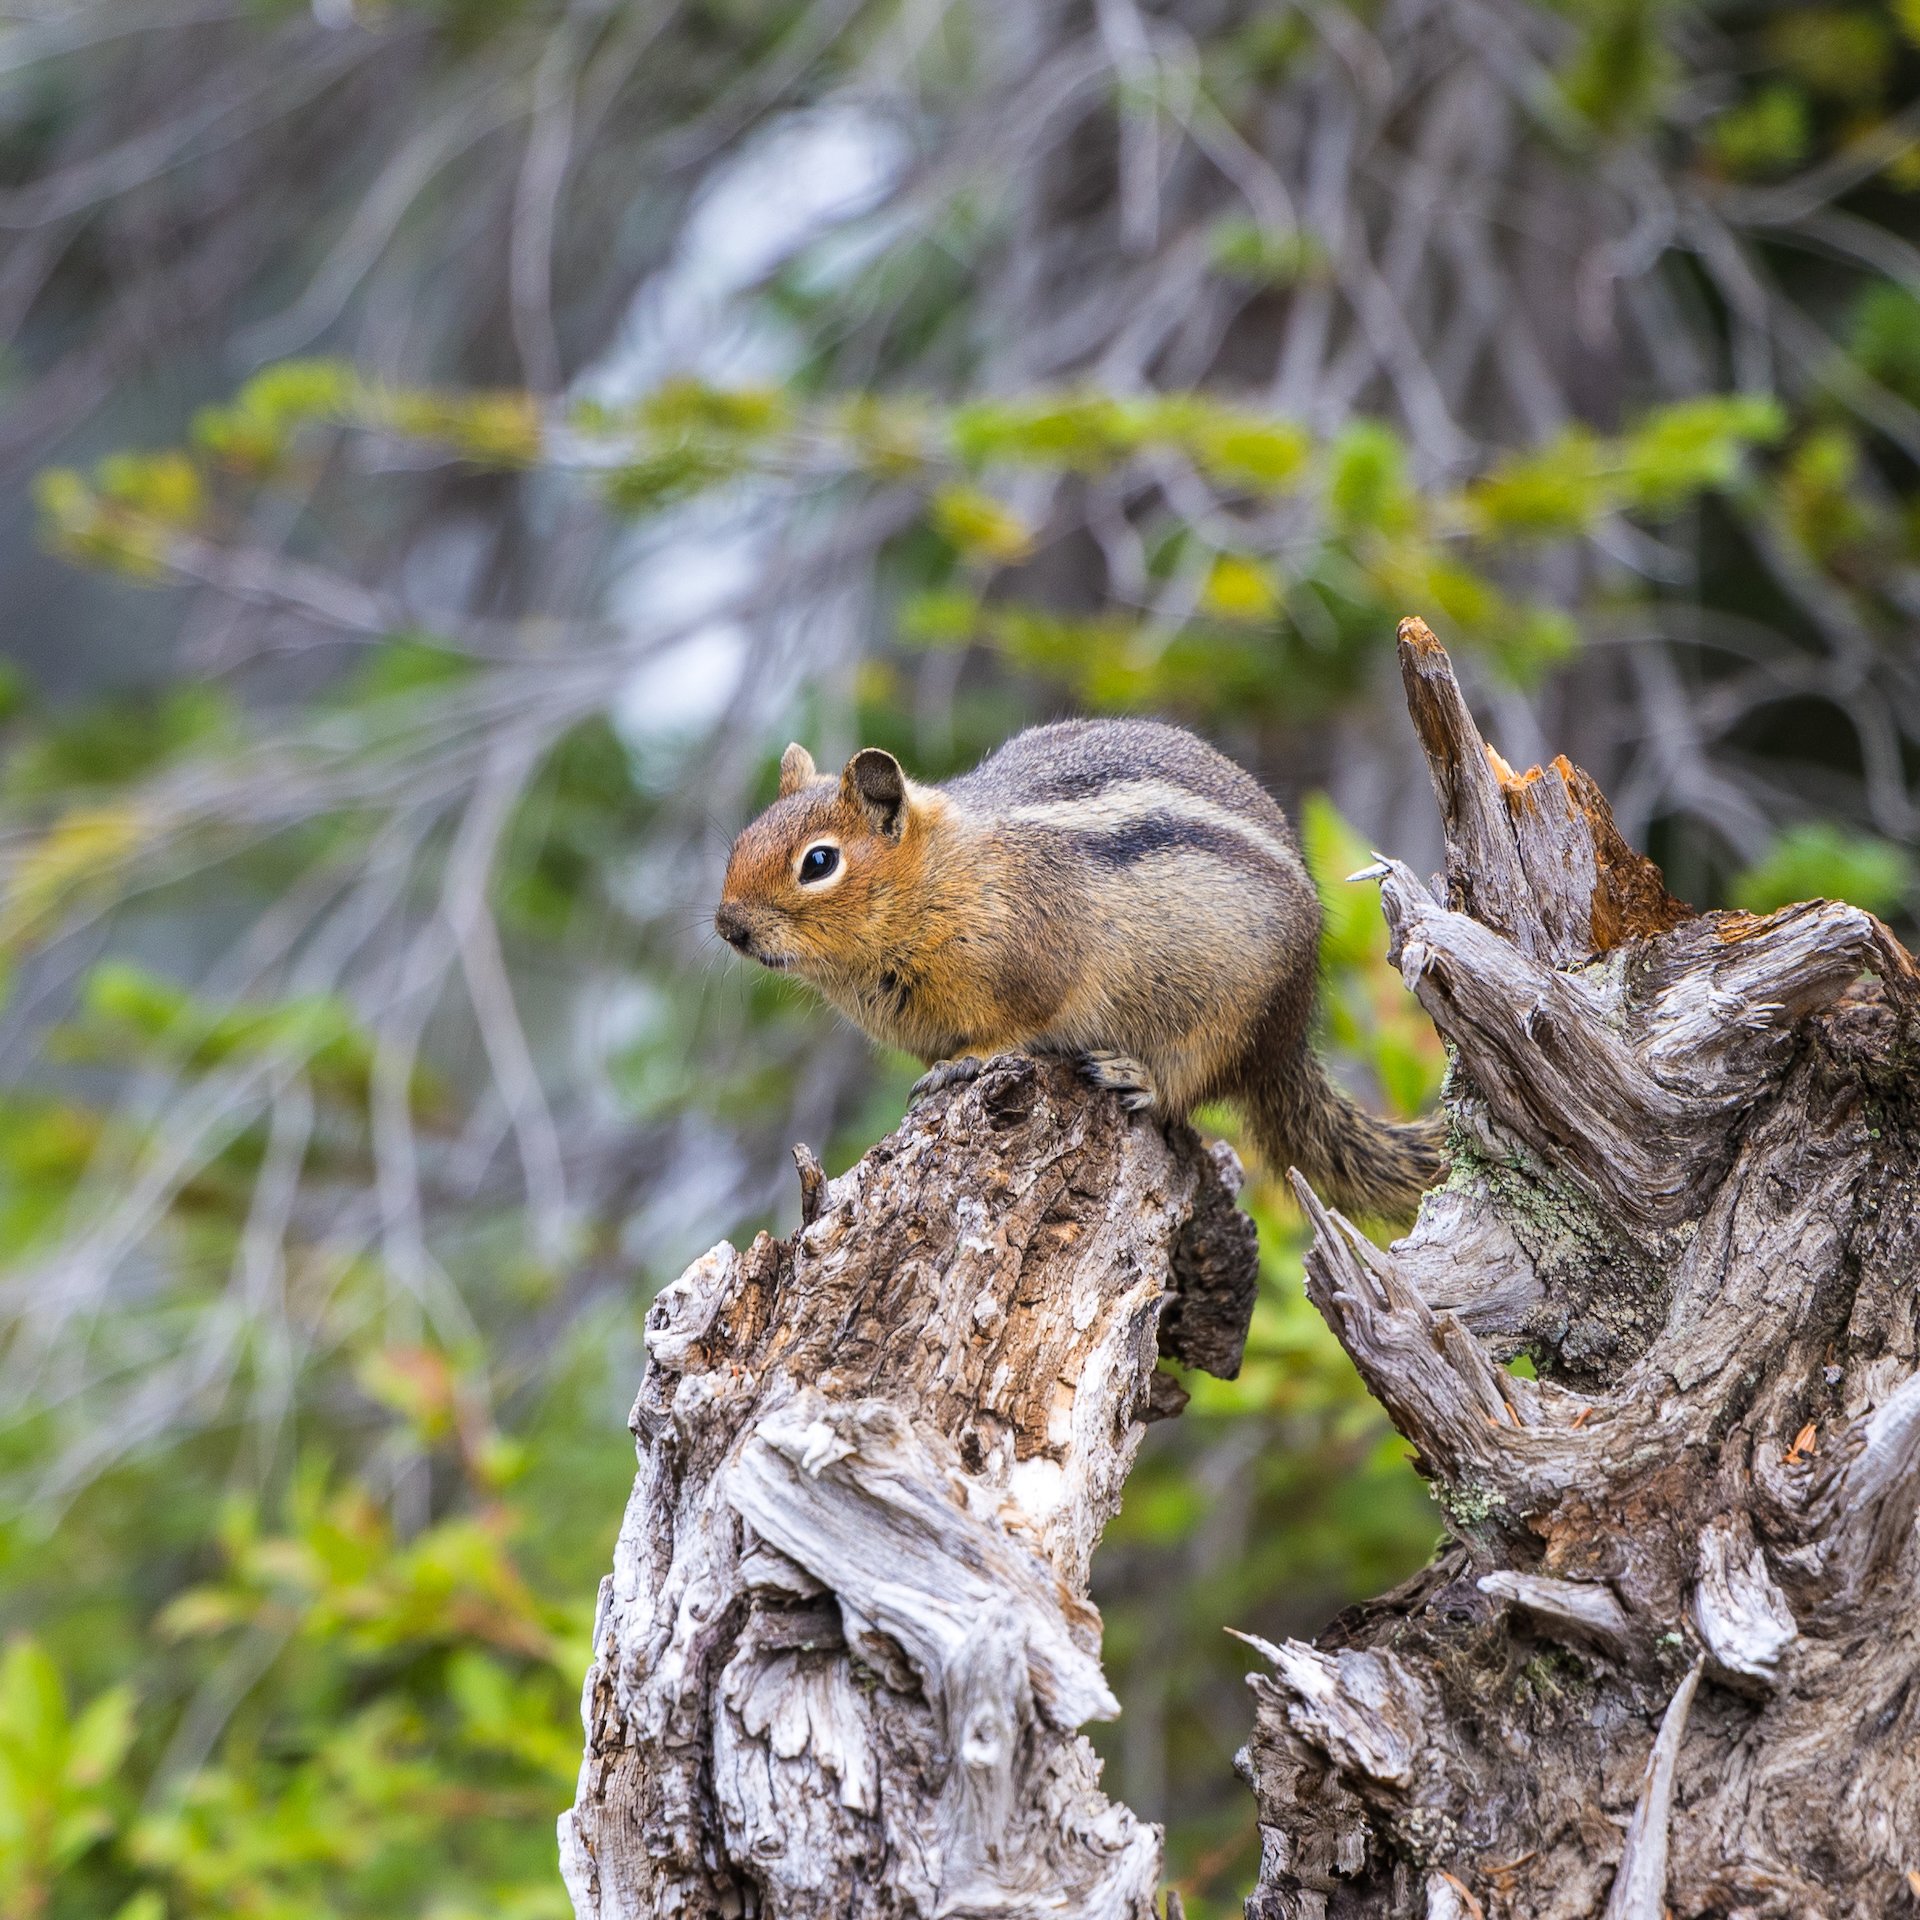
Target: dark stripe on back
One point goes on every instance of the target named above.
(1166, 833)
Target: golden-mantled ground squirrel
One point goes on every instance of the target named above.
(1113, 889)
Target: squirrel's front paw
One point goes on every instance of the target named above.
(944, 1074)
(1121, 1073)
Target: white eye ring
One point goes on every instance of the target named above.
(824, 857)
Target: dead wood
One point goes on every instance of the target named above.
(846, 1647)
(1667, 1663)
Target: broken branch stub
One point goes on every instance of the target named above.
(1534, 855)
(1665, 1663)
(846, 1647)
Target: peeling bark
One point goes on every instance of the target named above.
(846, 1647)
(1667, 1662)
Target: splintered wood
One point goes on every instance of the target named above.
(1534, 855)
(846, 1648)
(1666, 1659)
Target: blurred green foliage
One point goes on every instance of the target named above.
(317, 1651)
(1279, 609)
(1820, 861)
(57, 1773)
(332, 1715)
(293, 1703)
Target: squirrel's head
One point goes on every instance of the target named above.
(809, 882)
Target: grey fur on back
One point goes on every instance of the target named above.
(1076, 759)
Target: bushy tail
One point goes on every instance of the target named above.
(1362, 1165)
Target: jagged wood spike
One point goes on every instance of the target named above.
(1427, 1371)
(813, 1182)
(1535, 856)
(1640, 1882)
(1484, 875)
(1685, 1155)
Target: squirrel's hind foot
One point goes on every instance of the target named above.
(1121, 1073)
(1117, 1073)
(944, 1074)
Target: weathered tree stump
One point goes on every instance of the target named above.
(1670, 1662)
(846, 1645)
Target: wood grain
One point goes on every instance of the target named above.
(1667, 1656)
(846, 1648)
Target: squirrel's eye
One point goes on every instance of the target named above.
(817, 862)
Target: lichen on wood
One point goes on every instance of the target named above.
(1665, 1663)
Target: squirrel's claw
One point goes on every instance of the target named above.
(1121, 1073)
(944, 1074)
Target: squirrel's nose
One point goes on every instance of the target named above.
(731, 925)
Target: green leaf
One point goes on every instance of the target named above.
(1231, 447)
(1367, 480)
(653, 481)
(1844, 52)
(1557, 492)
(1081, 432)
(1239, 587)
(685, 409)
(101, 1736)
(979, 526)
(1767, 134)
(1819, 494)
(1351, 929)
(77, 859)
(33, 1707)
(939, 618)
(1684, 449)
(408, 663)
(162, 486)
(255, 431)
(1257, 256)
(1622, 71)
(1884, 338)
(115, 743)
(501, 429)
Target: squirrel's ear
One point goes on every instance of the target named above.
(873, 781)
(796, 769)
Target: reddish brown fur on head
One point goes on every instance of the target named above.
(831, 925)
